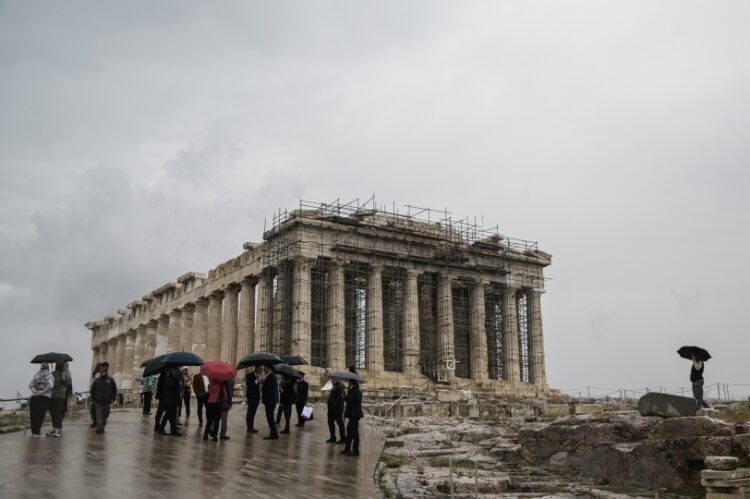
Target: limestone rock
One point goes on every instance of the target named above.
(665, 405)
(721, 462)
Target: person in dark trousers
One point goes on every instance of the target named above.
(269, 395)
(170, 399)
(696, 379)
(336, 412)
(41, 398)
(353, 414)
(103, 393)
(200, 389)
(252, 395)
(92, 409)
(288, 396)
(225, 404)
(158, 419)
(302, 390)
(186, 392)
(148, 386)
(63, 381)
(213, 414)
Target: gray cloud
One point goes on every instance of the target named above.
(139, 142)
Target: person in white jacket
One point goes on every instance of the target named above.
(41, 398)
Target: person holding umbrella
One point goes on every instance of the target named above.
(698, 356)
(220, 385)
(288, 397)
(170, 400)
(336, 412)
(269, 394)
(41, 395)
(303, 389)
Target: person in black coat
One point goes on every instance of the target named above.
(336, 412)
(103, 393)
(353, 413)
(170, 400)
(269, 395)
(252, 394)
(302, 390)
(288, 397)
(159, 419)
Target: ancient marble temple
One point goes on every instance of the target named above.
(412, 300)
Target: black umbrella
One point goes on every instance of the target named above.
(687, 352)
(154, 366)
(346, 376)
(259, 359)
(294, 360)
(286, 369)
(51, 357)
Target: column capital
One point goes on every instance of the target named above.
(232, 288)
(249, 281)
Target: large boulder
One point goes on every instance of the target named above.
(666, 406)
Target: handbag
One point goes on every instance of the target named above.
(307, 412)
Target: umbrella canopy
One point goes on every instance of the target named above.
(180, 359)
(686, 352)
(346, 376)
(259, 359)
(294, 360)
(219, 370)
(152, 368)
(286, 369)
(51, 357)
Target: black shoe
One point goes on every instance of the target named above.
(352, 453)
(271, 437)
(92, 425)
(331, 441)
(205, 437)
(214, 439)
(100, 431)
(176, 434)
(341, 441)
(285, 432)
(224, 437)
(297, 425)
(160, 432)
(252, 430)
(345, 451)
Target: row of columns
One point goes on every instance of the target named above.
(223, 325)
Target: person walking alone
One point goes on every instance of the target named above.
(353, 413)
(186, 385)
(696, 379)
(148, 387)
(62, 382)
(269, 394)
(303, 389)
(41, 386)
(287, 400)
(103, 393)
(336, 412)
(252, 395)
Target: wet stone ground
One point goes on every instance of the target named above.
(129, 460)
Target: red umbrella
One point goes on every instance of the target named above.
(219, 370)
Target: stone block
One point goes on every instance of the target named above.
(740, 482)
(667, 406)
(726, 475)
(721, 462)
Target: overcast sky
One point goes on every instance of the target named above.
(143, 140)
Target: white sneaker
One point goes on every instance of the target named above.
(51, 433)
(37, 436)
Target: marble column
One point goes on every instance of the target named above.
(162, 335)
(302, 309)
(511, 359)
(149, 350)
(213, 334)
(173, 336)
(200, 328)
(112, 357)
(446, 351)
(128, 359)
(95, 355)
(335, 318)
(411, 348)
(229, 324)
(264, 312)
(246, 326)
(478, 337)
(186, 328)
(374, 320)
(103, 352)
(538, 371)
(120, 362)
(140, 349)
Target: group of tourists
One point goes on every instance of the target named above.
(50, 392)
(172, 390)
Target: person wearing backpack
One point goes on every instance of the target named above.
(41, 398)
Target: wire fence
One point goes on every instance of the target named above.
(718, 392)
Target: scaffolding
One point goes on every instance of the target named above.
(371, 241)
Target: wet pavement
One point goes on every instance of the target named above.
(129, 460)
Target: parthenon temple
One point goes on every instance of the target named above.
(412, 299)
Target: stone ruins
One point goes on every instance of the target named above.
(414, 300)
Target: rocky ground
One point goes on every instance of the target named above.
(616, 455)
